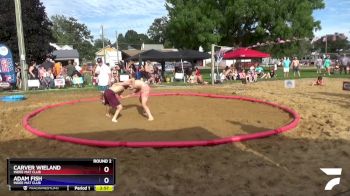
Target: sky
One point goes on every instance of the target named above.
(122, 15)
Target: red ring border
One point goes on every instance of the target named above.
(165, 144)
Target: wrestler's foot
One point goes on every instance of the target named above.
(114, 120)
(150, 118)
(108, 115)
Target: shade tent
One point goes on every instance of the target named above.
(245, 53)
(152, 55)
(190, 55)
(182, 55)
(155, 55)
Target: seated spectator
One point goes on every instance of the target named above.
(234, 72)
(222, 76)
(199, 77)
(76, 77)
(60, 76)
(157, 75)
(48, 79)
(192, 78)
(252, 75)
(243, 76)
(259, 71)
(319, 82)
(227, 73)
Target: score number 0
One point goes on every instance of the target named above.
(106, 170)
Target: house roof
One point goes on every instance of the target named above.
(130, 53)
(152, 46)
(107, 49)
(66, 54)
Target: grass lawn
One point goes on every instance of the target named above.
(305, 73)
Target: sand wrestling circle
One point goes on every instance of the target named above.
(181, 120)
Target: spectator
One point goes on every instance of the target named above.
(18, 76)
(286, 64)
(103, 77)
(275, 68)
(192, 78)
(318, 82)
(296, 66)
(57, 69)
(227, 73)
(77, 69)
(319, 65)
(199, 77)
(115, 76)
(48, 81)
(47, 64)
(259, 71)
(33, 71)
(327, 65)
(252, 76)
(70, 69)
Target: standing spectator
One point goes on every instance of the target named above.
(48, 64)
(18, 76)
(286, 64)
(57, 69)
(70, 69)
(327, 65)
(77, 68)
(104, 77)
(319, 65)
(296, 66)
(33, 71)
(115, 75)
(275, 70)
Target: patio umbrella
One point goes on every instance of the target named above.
(245, 53)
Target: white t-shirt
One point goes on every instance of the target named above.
(78, 68)
(103, 72)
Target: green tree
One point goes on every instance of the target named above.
(335, 43)
(193, 23)
(157, 31)
(70, 31)
(133, 39)
(36, 28)
(99, 45)
(239, 22)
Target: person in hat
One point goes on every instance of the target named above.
(104, 76)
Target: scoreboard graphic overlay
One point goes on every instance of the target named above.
(86, 174)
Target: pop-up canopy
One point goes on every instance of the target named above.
(245, 53)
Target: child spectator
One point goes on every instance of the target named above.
(319, 81)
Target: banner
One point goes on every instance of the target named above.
(346, 86)
(7, 66)
(289, 84)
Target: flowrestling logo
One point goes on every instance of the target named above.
(332, 172)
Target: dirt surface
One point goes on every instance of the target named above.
(177, 118)
(286, 164)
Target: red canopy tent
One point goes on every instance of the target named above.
(245, 53)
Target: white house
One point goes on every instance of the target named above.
(112, 55)
(65, 53)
